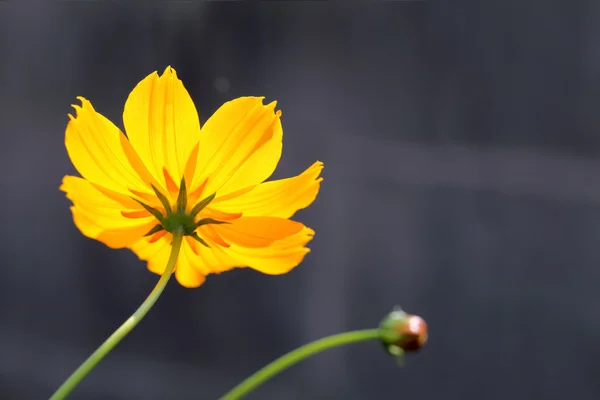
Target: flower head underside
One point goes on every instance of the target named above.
(170, 172)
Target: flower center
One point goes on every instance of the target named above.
(177, 217)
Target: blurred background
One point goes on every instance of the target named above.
(461, 142)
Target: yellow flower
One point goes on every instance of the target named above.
(168, 171)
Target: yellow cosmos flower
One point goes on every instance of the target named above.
(169, 172)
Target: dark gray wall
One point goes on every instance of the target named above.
(462, 181)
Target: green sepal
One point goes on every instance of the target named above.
(390, 335)
(198, 238)
(157, 228)
(198, 207)
(206, 221)
(157, 214)
(400, 359)
(164, 201)
(182, 197)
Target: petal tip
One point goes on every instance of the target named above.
(84, 103)
(169, 70)
(271, 107)
(309, 232)
(187, 284)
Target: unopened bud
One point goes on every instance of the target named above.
(402, 332)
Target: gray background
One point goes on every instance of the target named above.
(461, 144)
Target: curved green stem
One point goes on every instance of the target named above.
(298, 355)
(93, 360)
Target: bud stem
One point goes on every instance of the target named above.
(93, 360)
(296, 356)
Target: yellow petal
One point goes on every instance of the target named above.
(267, 244)
(100, 217)
(281, 198)
(94, 146)
(240, 146)
(211, 260)
(187, 272)
(91, 197)
(157, 255)
(162, 124)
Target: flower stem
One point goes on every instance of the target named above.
(93, 360)
(296, 356)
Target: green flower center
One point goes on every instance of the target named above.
(177, 217)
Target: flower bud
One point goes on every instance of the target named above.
(403, 332)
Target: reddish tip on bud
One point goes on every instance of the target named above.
(414, 333)
(403, 332)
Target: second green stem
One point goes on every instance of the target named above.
(296, 356)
